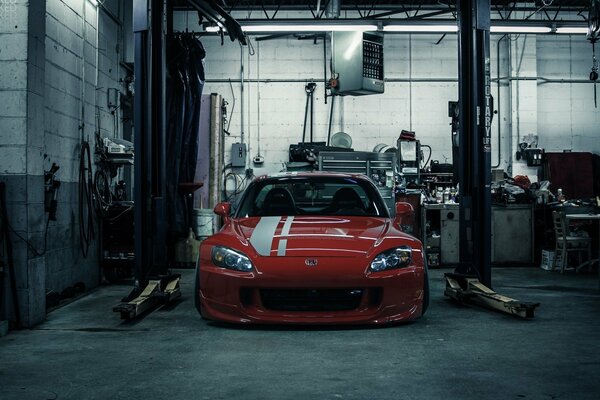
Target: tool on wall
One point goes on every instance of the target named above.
(51, 191)
(528, 151)
(593, 35)
(309, 108)
(86, 199)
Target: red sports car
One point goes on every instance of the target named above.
(311, 248)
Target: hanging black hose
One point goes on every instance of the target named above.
(330, 120)
(86, 207)
(428, 158)
(593, 35)
(185, 82)
(308, 110)
(4, 234)
(594, 73)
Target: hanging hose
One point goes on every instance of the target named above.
(428, 158)
(308, 109)
(330, 120)
(86, 208)
(593, 35)
(102, 193)
(594, 73)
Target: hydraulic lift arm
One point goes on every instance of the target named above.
(468, 289)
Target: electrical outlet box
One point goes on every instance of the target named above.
(238, 155)
(534, 157)
(358, 62)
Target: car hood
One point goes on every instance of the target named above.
(303, 236)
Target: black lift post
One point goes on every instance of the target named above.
(153, 284)
(152, 24)
(475, 119)
(149, 21)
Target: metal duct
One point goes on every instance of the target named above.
(333, 9)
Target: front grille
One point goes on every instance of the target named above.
(311, 299)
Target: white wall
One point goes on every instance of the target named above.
(567, 117)
(562, 114)
(420, 104)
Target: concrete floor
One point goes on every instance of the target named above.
(83, 351)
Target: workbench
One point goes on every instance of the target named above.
(512, 234)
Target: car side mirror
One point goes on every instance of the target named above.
(223, 209)
(405, 216)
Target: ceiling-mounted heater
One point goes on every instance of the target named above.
(357, 63)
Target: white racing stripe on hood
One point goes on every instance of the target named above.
(285, 231)
(263, 235)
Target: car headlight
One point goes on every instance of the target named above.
(227, 258)
(398, 257)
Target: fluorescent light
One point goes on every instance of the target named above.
(406, 28)
(572, 30)
(421, 28)
(300, 28)
(307, 28)
(520, 29)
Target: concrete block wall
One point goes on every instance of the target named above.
(59, 65)
(422, 78)
(567, 116)
(524, 104)
(82, 63)
(21, 92)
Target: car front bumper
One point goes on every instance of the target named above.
(339, 291)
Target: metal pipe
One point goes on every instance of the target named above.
(82, 89)
(97, 78)
(241, 93)
(542, 79)
(510, 110)
(325, 67)
(518, 88)
(410, 81)
(258, 98)
(248, 119)
(312, 116)
(333, 9)
(306, 80)
(498, 103)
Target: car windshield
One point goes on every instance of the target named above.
(342, 196)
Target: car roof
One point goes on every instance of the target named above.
(311, 174)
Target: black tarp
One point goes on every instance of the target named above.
(185, 81)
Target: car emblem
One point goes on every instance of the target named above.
(311, 262)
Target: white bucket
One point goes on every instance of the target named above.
(203, 222)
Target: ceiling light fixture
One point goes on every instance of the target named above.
(520, 29)
(572, 30)
(421, 28)
(308, 28)
(392, 27)
(301, 28)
